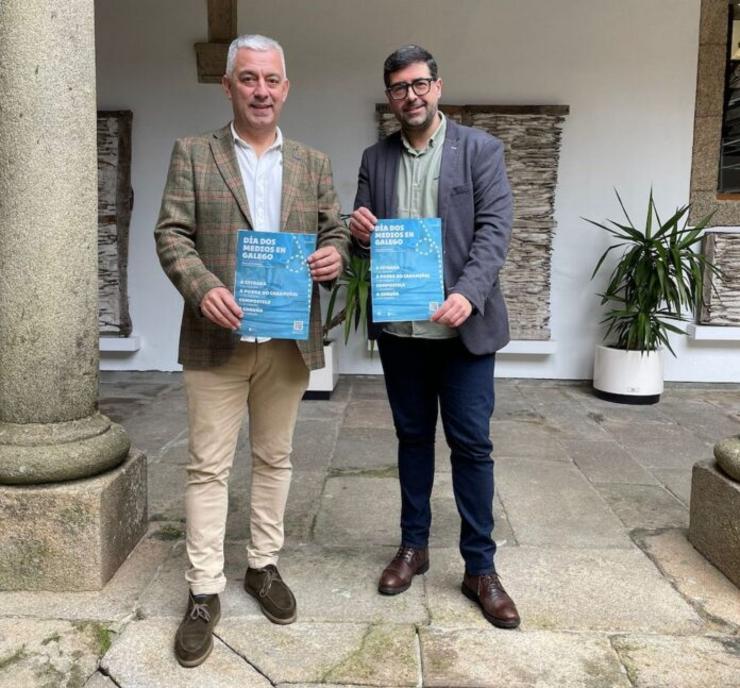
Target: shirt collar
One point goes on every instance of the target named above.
(278, 144)
(439, 133)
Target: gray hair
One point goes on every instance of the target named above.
(253, 42)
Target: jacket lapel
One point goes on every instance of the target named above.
(222, 146)
(292, 171)
(447, 170)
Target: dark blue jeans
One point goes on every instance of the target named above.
(421, 374)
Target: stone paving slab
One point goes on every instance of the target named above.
(330, 585)
(553, 505)
(326, 652)
(313, 444)
(125, 386)
(318, 409)
(605, 461)
(669, 662)
(98, 680)
(727, 400)
(645, 506)
(122, 409)
(677, 481)
(368, 387)
(694, 577)
(143, 658)
(566, 590)
(511, 404)
(365, 448)
(702, 418)
(166, 487)
(369, 449)
(603, 412)
(159, 423)
(573, 423)
(561, 409)
(523, 439)
(126, 377)
(333, 585)
(358, 510)
(303, 503)
(49, 653)
(538, 659)
(659, 445)
(116, 601)
(327, 685)
(368, 413)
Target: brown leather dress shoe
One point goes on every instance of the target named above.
(194, 637)
(493, 600)
(407, 563)
(275, 598)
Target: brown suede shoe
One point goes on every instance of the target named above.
(407, 563)
(274, 596)
(194, 637)
(493, 600)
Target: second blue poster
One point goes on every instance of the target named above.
(406, 269)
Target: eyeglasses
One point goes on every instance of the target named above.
(400, 90)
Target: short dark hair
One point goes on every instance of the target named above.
(405, 56)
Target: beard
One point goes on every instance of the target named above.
(420, 125)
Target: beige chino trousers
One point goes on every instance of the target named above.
(269, 380)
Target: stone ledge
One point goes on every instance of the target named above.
(72, 535)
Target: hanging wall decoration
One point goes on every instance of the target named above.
(115, 201)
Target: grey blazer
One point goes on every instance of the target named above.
(476, 208)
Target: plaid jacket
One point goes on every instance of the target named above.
(203, 206)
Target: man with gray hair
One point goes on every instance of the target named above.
(243, 176)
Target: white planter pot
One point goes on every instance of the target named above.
(322, 381)
(628, 377)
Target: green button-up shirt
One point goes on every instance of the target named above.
(416, 196)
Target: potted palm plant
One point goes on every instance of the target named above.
(656, 283)
(355, 283)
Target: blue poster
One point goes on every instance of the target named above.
(273, 283)
(406, 269)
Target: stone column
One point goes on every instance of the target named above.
(50, 430)
(714, 521)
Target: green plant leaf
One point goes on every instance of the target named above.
(624, 210)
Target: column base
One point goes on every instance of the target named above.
(73, 535)
(713, 529)
(33, 453)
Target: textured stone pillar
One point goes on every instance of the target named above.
(50, 430)
(49, 427)
(714, 520)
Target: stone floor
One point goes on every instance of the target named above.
(591, 513)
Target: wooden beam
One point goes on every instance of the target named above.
(211, 56)
(221, 21)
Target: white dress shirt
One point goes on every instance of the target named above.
(263, 183)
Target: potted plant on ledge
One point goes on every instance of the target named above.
(657, 279)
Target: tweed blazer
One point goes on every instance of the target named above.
(203, 206)
(475, 203)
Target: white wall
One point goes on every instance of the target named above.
(627, 68)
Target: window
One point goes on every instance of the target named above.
(729, 160)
